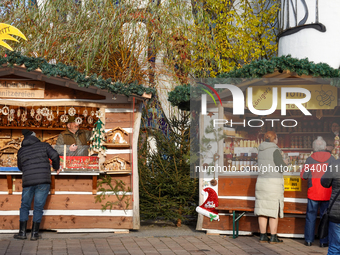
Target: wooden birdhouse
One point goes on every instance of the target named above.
(116, 164)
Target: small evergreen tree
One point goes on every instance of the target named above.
(166, 189)
(98, 138)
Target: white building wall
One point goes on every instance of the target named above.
(310, 43)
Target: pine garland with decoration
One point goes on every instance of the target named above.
(98, 138)
(180, 96)
(61, 70)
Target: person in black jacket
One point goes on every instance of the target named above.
(332, 179)
(33, 161)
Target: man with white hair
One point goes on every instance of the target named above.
(318, 196)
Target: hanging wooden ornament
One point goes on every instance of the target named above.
(38, 117)
(10, 117)
(92, 113)
(85, 113)
(38, 111)
(64, 118)
(5, 110)
(44, 111)
(12, 111)
(99, 114)
(90, 119)
(32, 112)
(18, 112)
(23, 117)
(50, 117)
(72, 111)
(78, 120)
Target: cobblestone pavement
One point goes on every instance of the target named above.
(150, 240)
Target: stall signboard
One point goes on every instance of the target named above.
(292, 183)
(322, 97)
(22, 89)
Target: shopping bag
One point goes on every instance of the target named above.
(323, 226)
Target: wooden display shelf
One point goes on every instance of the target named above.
(297, 149)
(299, 132)
(31, 128)
(114, 145)
(118, 172)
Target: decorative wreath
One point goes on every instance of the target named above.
(50, 117)
(32, 113)
(23, 117)
(64, 118)
(85, 113)
(78, 120)
(38, 117)
(90, 119)
(10, 117)
(99, 114)
(72, 111)
(5, 110)
(44, 111)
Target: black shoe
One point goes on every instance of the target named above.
(22, 231)
(274, 239)
(323, 244)
(264, 238)
(309, 243)
(35, 231)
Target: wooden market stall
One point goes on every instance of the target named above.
(236, 189)
(39, 100)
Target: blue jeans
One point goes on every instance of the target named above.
(334, 238)
(40, 193)
(311, 214)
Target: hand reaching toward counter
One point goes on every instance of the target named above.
(73, 147)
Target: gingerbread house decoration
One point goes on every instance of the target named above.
(116, 136)
(116, 164)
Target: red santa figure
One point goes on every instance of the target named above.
(208, 208)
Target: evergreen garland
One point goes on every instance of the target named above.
(61, 70)
(180, 96)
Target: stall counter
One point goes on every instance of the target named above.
(70, 206)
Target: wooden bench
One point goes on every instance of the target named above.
(242, 211)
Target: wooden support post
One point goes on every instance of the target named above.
(10, 184)
(52, 189)
(94, 185)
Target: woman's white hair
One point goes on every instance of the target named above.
(319, 144)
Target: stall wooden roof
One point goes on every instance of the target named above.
(67, 77)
